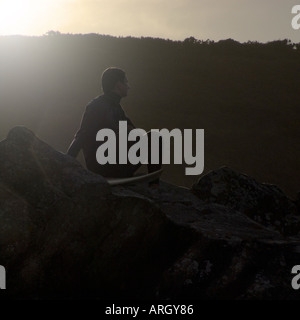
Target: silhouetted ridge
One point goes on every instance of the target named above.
(244, 95)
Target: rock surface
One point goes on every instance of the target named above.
(65, 233)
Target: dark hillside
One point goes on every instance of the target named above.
(246, 96)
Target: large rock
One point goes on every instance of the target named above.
(65, 233)
(263, 203)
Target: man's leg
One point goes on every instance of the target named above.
(154, 167)
(130, 169)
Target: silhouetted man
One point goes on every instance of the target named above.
(103, 112)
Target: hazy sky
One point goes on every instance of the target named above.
(242, 20)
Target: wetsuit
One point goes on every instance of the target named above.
(104, 111)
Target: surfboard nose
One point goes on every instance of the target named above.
(136, 179)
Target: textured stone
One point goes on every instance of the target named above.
(264, 203)
(65, 233)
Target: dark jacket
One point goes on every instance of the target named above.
(104, 111)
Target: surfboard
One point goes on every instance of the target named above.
(135, 179)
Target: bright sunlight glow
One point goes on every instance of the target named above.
(23, 16)
(241, 20)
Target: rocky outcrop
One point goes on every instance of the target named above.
(263, 203)
(65, 233)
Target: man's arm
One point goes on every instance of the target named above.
(74, 147)
(130, 125)
(88, 122)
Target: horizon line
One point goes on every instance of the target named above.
(58, 33)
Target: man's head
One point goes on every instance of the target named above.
(114, 80)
